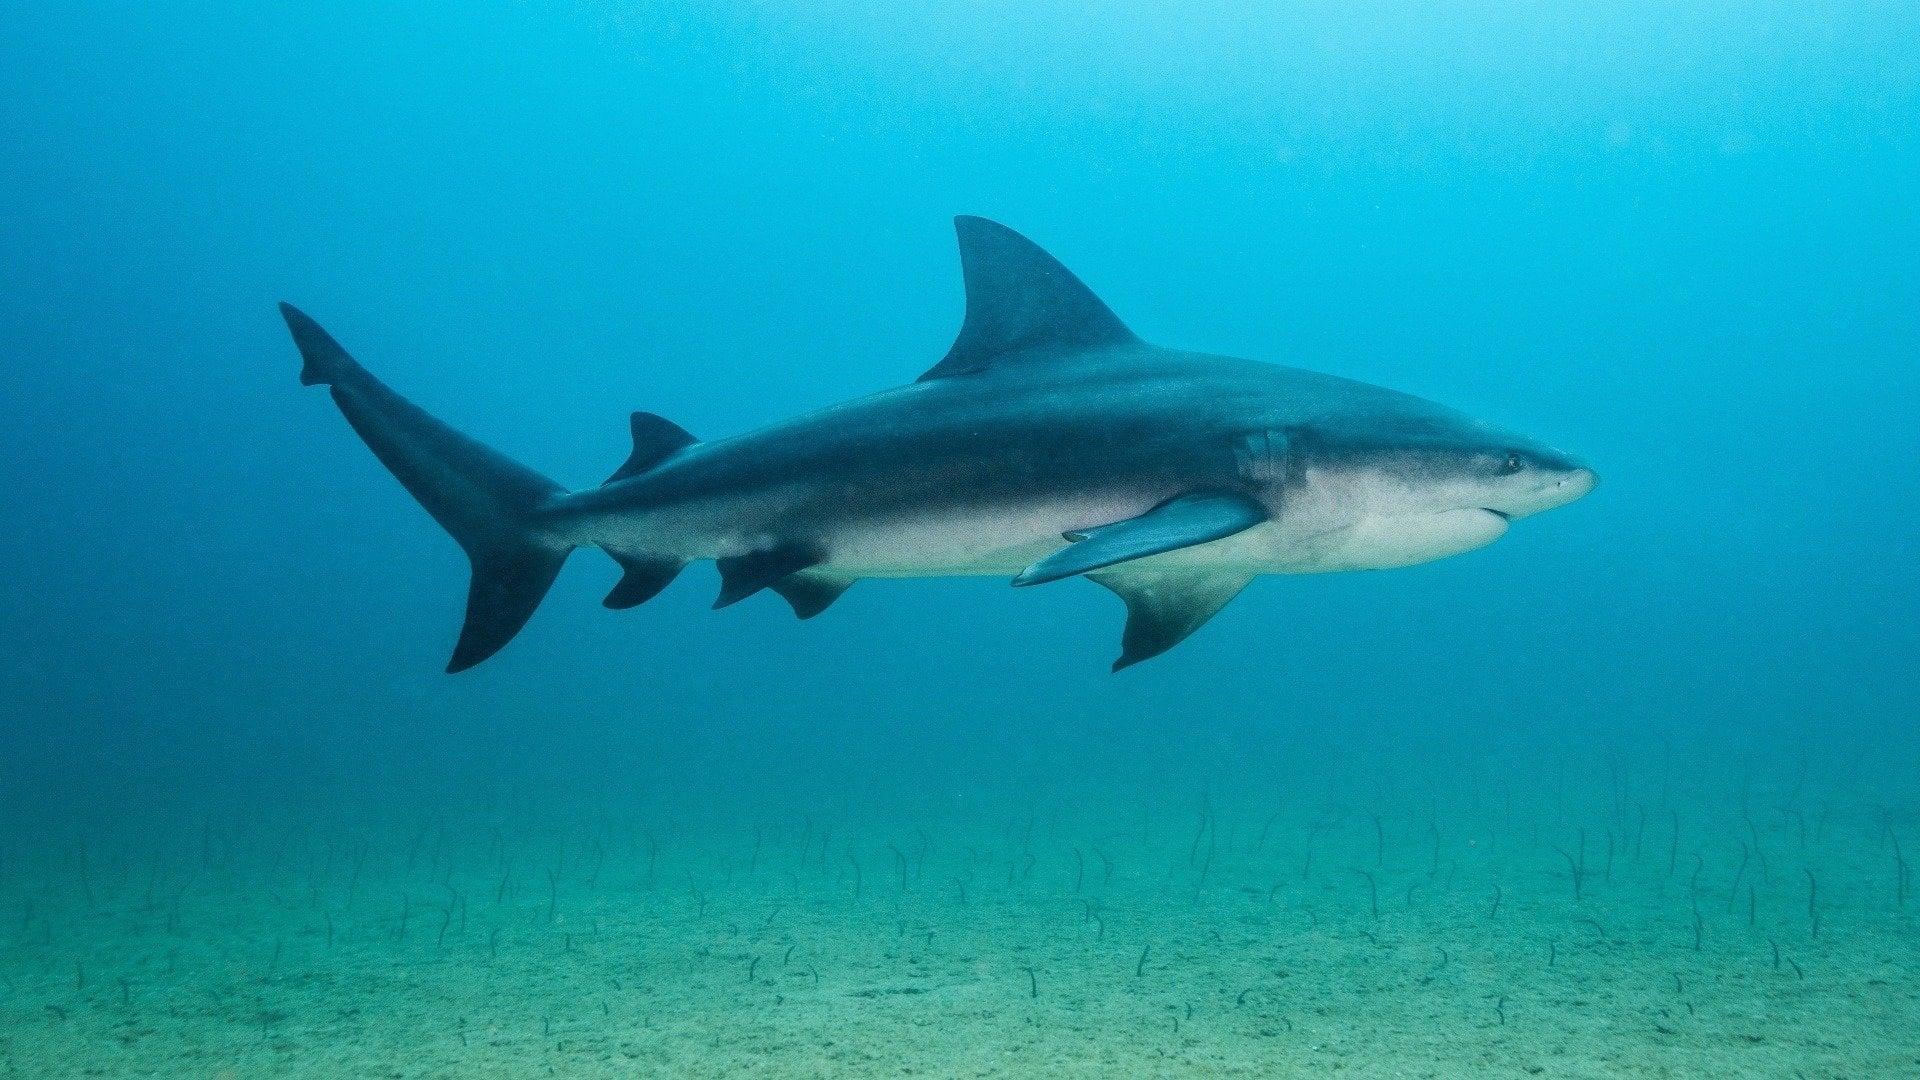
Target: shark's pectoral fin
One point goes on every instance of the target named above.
(811, 591)
(1177, 523)
(1164, 608)
(644, 579)
(743, 575)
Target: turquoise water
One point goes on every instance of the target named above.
(1631, 792)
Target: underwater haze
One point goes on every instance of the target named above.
(1632, 792)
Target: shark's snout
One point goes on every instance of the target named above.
(1578, 483)
(1565, 486)
(1546, 486)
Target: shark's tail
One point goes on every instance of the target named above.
(487, 501)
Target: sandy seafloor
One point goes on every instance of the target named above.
(996, 934)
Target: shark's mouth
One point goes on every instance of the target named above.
(1501, 514)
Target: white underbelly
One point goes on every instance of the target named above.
(1005, 541)
(1386, 541)
(1002, 542)
(1002, 545)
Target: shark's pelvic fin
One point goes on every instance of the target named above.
(1177, 523)
(655, 439)
(1022, 305)
(1164, 608)
(743, 575)
(487, 501)
(811, 591)
(644, 579)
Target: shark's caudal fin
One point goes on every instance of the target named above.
(484, 499)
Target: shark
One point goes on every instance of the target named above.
(1050, 442)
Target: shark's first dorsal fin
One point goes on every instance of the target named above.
(1021, 303)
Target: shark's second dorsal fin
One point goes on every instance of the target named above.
(1021, 303)
(655, 439)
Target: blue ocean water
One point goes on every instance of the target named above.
(1677, 240)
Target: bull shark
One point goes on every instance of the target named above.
(1050, 442)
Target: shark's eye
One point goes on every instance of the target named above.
(1513, 463)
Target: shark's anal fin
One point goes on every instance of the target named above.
(1022, 305)
(644, 579)
(743, 575)
(1164, 608)
(655, 438)
(1180, 522)
(811, 591)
